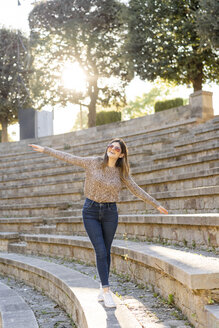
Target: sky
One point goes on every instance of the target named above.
(14, 16)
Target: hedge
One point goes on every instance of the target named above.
(108, 117)
(166, 104)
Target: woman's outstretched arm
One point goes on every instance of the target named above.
(139, 192)
(76, 160)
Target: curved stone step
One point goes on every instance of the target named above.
(140, 154)
(72, 290)
(192, 279)
(192, 230)
(212, 316)
(165, 182)
(100, 133)
(14, 311)
(63, 168)
(154, 143)
(126, 196)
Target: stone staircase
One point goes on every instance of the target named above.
(14, 312)
(174, 157)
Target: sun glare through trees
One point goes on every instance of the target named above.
(73, 77)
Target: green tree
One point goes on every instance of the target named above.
(14, 77)
(208, 23)
(90, 32)
(163, 42)
(144, 105)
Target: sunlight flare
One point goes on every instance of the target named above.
(73, 77)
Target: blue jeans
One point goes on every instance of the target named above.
(100, 222)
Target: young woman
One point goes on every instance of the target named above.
(105, 177)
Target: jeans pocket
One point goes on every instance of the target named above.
(88, 203)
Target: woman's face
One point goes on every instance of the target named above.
(114, 150)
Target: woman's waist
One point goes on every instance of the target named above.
(99, 203)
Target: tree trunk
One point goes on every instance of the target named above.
(4, 131)
(93, 93)
(197, 81)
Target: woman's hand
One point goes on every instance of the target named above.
(162, 210)
(37, 148)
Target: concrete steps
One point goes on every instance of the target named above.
(72, 290)
(14, 311)
(178, 181)
(181, 170)
(150, 124)
(7, 237)
(151, 145)
(198, 231)
(41, 199)
(136, 147)
(161, 136)
(53, 165)
(193, 200)
(191, 278)
(55, 191)
(28, 210)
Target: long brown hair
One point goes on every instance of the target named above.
(122, 163)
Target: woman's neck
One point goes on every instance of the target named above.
(111, 162)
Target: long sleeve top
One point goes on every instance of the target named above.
(102, 185)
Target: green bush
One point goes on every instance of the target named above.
(107, 117)
(166, 104)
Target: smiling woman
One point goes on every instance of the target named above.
(73, 77)
(105, 178)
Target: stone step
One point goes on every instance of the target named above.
(7, 237)
(203, 134)
(72, 290)
(101, 133)
(191, 278)
(173, 128)
(164, 183)
(43, 198)
(194, 200)
(192, 230)
(19, 247)
(193, 152)
(199, 231)
(45, 229)
(212, 316)
(29, 210)
(14, 311)
(160, 180)
(153, 144)
(159, 162)
(81, 136)
(140, 147)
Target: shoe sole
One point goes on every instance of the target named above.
(112, 306)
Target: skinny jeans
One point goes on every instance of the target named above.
(100, 222)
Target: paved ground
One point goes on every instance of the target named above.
(151, 310)
(47, 312)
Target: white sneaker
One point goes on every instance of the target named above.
(100, 296)
(108, 300)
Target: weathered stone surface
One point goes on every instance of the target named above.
(212, 316)
(14, 312)
(194, 230)
(173, 156)
(191, 278)
(75, 292)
